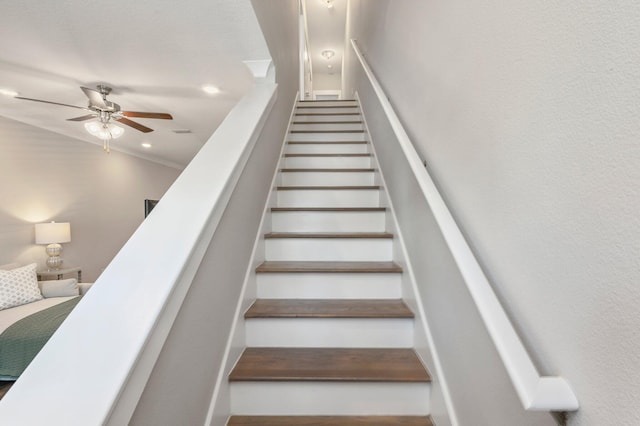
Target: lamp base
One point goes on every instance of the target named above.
(54, 251)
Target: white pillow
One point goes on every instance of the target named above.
(59, 288)
(19, 286)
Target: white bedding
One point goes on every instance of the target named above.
(11, 315)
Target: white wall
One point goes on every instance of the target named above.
(527, 114)
(46, 176)
(322, 81)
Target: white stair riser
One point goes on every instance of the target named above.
(327, 126)
(329, 249)
(329, 398)
(328, 148)
(327, 178)
(328, 221)
(328, 103)
(328, 198)
(326, 110)
(330, 117)
(327, 162)
(329, 332)
(323, 137)
(329, 285)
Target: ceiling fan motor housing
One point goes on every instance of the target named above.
(108, 107)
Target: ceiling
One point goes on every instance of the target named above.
(155, 54)
(326, 30)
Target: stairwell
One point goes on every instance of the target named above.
(329, 340)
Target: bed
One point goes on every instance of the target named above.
(31, 312)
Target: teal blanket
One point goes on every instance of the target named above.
(22, 341)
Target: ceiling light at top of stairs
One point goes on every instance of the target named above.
(328, 54)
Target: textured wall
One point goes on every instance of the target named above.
(45, 176)
(528, 115)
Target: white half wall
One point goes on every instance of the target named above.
(527, 115)
(46, 176)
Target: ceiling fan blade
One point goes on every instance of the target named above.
(83, 118)
(53, 103)
(133, 124)
(95, 97)
(160, 115)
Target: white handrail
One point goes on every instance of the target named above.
(536, 392)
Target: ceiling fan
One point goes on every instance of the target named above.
(102, 109)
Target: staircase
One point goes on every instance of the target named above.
(329, 339)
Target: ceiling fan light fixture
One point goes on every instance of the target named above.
(327, 54)
(116, 131)
(104, 131)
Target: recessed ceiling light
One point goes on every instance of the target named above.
(212, 90)
(8, 92)
(146, 145)
(329, 66)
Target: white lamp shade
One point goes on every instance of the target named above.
(53, 232)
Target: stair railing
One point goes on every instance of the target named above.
(536, 392)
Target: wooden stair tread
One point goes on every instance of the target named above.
(329, 308)
(327, 142)
(329, 364)
(325, 100)
(289, 170)
(327, 106)
(329, 421)
(329, 155)
(378, 235)
(326, 113)
(327, 187)
(327, 122)
(326, 131)
(328, 209)
(327, 266)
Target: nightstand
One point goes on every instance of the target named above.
(58, 273)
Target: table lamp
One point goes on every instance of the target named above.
(53, 234)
